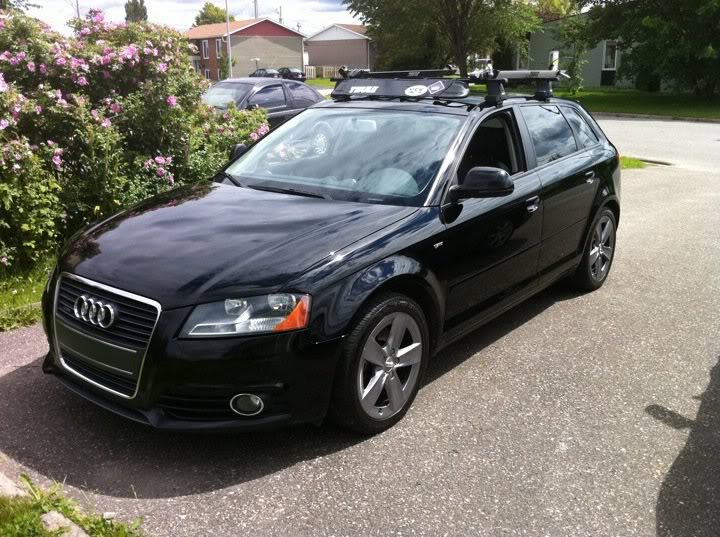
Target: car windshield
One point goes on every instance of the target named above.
(223, 93)
(369, 156)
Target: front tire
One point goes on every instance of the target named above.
(599, 252)
(382, 366)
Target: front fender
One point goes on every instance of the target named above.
(335, 309)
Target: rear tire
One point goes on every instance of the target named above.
(382, 365)
(598, 254)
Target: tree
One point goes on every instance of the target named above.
(448, 29)
(554, 9)
(16, 4)
(223, 65)
(135, 11)
(210, 13)
(572, 33)
(663, 39)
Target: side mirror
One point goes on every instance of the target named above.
(483, 182)
(238, 150)
(252, 107)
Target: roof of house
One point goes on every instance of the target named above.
(358, 29)
(219, 29)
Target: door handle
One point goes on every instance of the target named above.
(589, 176)
(532, 204)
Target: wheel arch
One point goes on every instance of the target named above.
(341, 305)
(419, 290)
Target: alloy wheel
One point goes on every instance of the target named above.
(602, 248)
(389, 365)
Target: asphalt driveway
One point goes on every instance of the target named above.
(576, 415)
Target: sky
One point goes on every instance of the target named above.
(313, 15)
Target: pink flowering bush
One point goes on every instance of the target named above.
(101, 120)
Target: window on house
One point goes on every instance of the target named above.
(610, 60)
(218, 48)
(554, 60)
(205, 49)
(207, 73)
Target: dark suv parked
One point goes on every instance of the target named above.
(333, 258)
(282, 98)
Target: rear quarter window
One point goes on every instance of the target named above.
(550, 133)
(586, 136)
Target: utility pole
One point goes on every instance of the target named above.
(279, 12)
(298, 27)
(256, 8)
(229, 50)
(77, 8)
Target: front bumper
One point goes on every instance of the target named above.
(187, 384)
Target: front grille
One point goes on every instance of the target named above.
(133, 324)
(105, 378)
(101, 355)
(217, 408)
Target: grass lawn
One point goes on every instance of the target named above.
(20, 297)
(627, 101)
(320, 83)
(642, 102)
(20, 516)
(630, 163)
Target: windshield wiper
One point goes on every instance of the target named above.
(293, 191)
(232, 179)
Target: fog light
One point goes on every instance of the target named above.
(247, 404)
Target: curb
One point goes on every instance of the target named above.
(9, 488)
(52, 520)
(653, 117)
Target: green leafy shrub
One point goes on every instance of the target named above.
(100, 120)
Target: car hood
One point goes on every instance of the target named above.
(211, 241)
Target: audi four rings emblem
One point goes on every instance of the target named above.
(94, 311)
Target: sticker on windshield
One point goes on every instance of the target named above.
(416, 91)
(436, 87)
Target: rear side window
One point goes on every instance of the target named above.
(585, 134)
(302, 95)
(551, 135)
(269, 97)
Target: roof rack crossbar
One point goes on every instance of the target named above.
(497, 80)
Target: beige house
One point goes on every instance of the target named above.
(340, 44)
(271, 43)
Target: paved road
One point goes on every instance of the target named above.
(591, 415)
(689, 144)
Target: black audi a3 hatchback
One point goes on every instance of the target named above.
(321, 270)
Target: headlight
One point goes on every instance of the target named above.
(256, 315)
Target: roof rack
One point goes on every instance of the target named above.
(497, 80)
(441, 83)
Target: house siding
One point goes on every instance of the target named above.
(350, 52)
(543, 41)
(274, 52)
